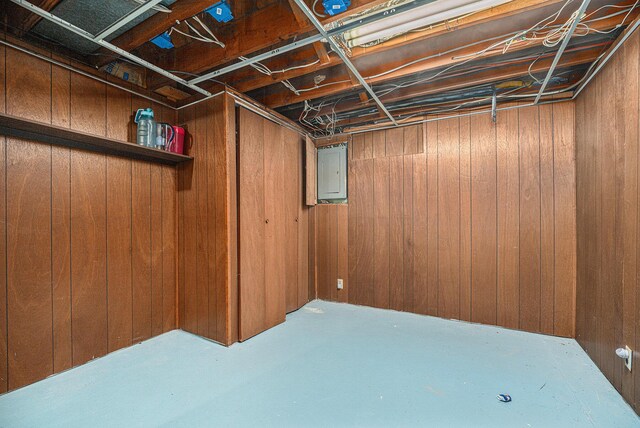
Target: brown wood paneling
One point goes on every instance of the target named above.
(29, 304)
(607, 157)
(629, 108)
(431, 131)
(483, 220)
(547, 223)
(290, 186)
(407, 235)
(88, 256)
(465, 219)
(201, 150)
(157, 272)
(565, 219)
(508, 220)
(119, 281)
(381, 231)
(3, 240)
(302, 225)
(449, 218)
(275, 216)
(3, 252)
(396, 236)
(252, 223)
(448, 221)
(141, 244)
(420, 234)
(28, 87)
(529, 219)
(169, 247)
(394, 141)
(342, 244)
(78, 209)
(311, 196)
(365, 222)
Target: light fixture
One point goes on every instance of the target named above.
(419, 17)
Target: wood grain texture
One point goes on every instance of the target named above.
(275, 248)
(4, 372)
(119, 261)
(529, 220)
(78, 209)
(483, 220)
(28, 238)
(447, 227)
(88, 263)
(311, 196)
(508, 220)
(607, 297)
(252, 221)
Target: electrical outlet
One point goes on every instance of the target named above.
(340, 284)
(629, 359)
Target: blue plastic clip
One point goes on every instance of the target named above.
(334, 7)
(220, 11)
(163, 41)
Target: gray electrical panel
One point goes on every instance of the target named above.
(332, 172)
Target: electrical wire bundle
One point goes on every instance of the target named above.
(546, 30)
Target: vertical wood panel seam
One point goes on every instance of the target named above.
(495, 144)
(553, 207)
(53, 344)
(540, 195)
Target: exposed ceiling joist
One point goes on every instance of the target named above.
(267, 27)
(347, 62)
(500, 12)
(30, 20)
(158, 23)
(515, 71)
(434, 61)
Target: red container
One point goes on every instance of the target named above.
(177, 145)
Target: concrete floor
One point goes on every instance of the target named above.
(333, 365)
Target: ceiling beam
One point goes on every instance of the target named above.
(246, 80)
(25, 20)
(499, 12)
(283, 97)
(267, 27)
(345, 59)
(515, 71)
(156, 24)
(321, 52)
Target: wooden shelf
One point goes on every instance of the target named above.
(30, 130)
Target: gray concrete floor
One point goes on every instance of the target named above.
(333, 365)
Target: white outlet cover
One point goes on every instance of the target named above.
(340, 284)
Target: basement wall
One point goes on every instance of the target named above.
(88, 242)
(207, 222)
(460, 218)
(607, 160)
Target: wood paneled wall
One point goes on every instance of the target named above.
(207, 223)
(608, 294)
(274, 223)
(87, 241)
(462, 218)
